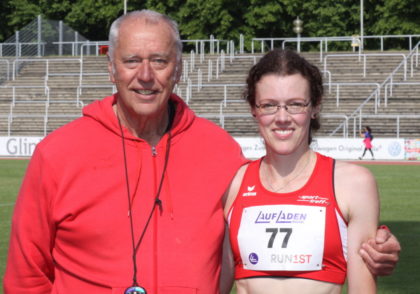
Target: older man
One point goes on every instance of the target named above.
(127, 199)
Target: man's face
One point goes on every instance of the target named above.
(144, 68)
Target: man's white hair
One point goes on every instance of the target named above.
(151, 17)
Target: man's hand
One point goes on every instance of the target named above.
(382, 253)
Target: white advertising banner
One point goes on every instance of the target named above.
(383, 149)
(253, 147)
(412, 149)
(18, 146)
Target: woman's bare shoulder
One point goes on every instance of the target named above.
(352, 174)
(233, 189)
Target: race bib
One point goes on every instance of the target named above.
(282, 237)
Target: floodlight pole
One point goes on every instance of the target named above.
(361, 26)
(125, 6)
(298, 28)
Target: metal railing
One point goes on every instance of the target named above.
(13, 115)
(376, 93)
(29, 48)
(7, 75)
(225, 87)
(222, 114)
(221, 59)
(13, 88)
(47, 61)
(358, 113)
(358, 121)
(92, 86)
(324, 41)
(45, 119)
(365, 56)
(389, 88)
(48, 116)
(342, 116)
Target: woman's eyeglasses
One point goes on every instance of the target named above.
(291, 107)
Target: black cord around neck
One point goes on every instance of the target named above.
(157, 200)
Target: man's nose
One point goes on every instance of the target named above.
(145, 71)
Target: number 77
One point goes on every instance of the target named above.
(274, 232)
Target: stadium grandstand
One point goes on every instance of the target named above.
(48, 72)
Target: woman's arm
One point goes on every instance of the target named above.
(357, 196)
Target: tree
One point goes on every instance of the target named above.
(21, 13)
(394, 17)
(5, 30)
(92, 19)
(225, 19)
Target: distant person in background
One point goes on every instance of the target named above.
(367, 141)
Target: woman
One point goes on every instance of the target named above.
(367, 141)
(297, 218)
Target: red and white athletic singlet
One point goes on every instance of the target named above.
(299, 234)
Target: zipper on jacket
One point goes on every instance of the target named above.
(155, 221)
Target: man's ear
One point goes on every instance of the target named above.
(178, 72)
(111, 69)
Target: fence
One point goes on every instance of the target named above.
(324, 42)
(389, 88)
(43, 38)
(358, 114)
(358, 121)
(365, 56)
(48, 37)
(37, 44)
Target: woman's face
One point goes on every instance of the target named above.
(284, 132)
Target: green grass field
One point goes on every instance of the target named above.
(399, 187)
